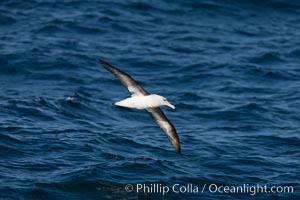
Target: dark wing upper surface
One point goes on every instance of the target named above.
(131, 85)
(162, 121)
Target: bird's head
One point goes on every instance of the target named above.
(162, 101)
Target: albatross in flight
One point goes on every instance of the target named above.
(141, 99)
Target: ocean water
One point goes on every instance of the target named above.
(231, 68)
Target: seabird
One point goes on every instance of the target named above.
(141, 99)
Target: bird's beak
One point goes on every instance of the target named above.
(170, 105)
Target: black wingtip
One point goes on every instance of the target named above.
(102, 62)
(107, 66)
(178, 149)
(175, 142)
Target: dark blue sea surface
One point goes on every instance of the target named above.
(231, 68)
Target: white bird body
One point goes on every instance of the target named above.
(144, 102)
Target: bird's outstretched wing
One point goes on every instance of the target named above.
(162, 121)
(131, 85)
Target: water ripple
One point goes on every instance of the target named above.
(231, 70)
